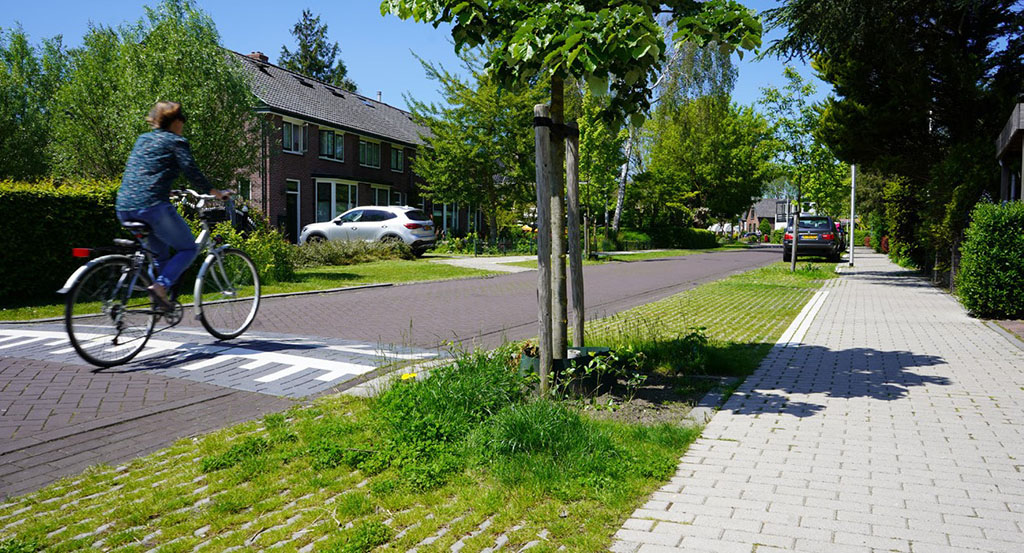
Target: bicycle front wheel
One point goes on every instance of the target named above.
(227, 293)
(109, 316)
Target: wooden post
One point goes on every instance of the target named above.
(572, 185)
(559, 305)
(542, 139)
(796, 232)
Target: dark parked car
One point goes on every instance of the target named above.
(818, 236)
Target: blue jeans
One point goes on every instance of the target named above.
(167, 230)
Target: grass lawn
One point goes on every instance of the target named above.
(486, 467)
(317, 278)
(637, 256)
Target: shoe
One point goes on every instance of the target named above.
(158, 293)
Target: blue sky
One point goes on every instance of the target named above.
(377, 50)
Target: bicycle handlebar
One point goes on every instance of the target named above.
(201, 197)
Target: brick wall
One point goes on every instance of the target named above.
(269, 184)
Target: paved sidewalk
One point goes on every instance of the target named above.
(896, 425)
(499, 264)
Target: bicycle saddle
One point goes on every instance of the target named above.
(139, 228)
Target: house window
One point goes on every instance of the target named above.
(334, 198)
(396, 198)
(294, 137)
(397, 160)
(381, 195)
(332, 145)
(369, 154)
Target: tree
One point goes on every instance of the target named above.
(315, 56)
(480, 148)
(706, 159)
(600, 155)
(173, 53)
(808, 164)
(618, 46)
(28, 78)
(933, 98)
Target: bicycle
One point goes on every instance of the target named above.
(109, 315)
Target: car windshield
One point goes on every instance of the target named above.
(813, 223)
(416, 215)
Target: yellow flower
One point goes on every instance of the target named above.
(407, 376)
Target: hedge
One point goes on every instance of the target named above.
(992, 263)
(39, 224)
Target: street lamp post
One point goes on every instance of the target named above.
(853, 212)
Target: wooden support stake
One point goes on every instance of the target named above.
(572, 184)
(559, 304)
(542, 137)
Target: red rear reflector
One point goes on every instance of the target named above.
(413, 225)
(788, 236)
(81, 252)
(827, 236)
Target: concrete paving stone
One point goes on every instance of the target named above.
(648, 537)
(815, 546)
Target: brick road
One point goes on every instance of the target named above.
(484, 311)
(58, 416)
(894, 426)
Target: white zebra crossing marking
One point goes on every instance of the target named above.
(213, 362)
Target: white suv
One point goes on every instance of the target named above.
(376, 223)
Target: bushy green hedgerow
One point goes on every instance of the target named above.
(40, 223)
(992, 266)
(343, 252)
(694, 239)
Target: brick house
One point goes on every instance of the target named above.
(325, 150)
(772, 209)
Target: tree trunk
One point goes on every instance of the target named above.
(622, 185)
(559, 323)
(492, 215)
(572, 182)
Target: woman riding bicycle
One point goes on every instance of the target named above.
(156, 161)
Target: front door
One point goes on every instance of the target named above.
(291, 211)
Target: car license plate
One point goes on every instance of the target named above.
(808, 236)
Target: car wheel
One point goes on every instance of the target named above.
(316, 239)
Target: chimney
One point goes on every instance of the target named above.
(259, 56)
(378, 95)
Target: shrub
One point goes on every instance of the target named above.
(765, 226)
(992, 263)
(514, 241)
(41, 223)
(269, 250)
(348, 252)
(777, 236)
(424, 422)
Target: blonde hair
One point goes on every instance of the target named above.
(163, 114)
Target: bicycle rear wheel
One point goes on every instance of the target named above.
(227, 293)
(109, 318)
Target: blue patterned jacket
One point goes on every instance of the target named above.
(156, 160)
